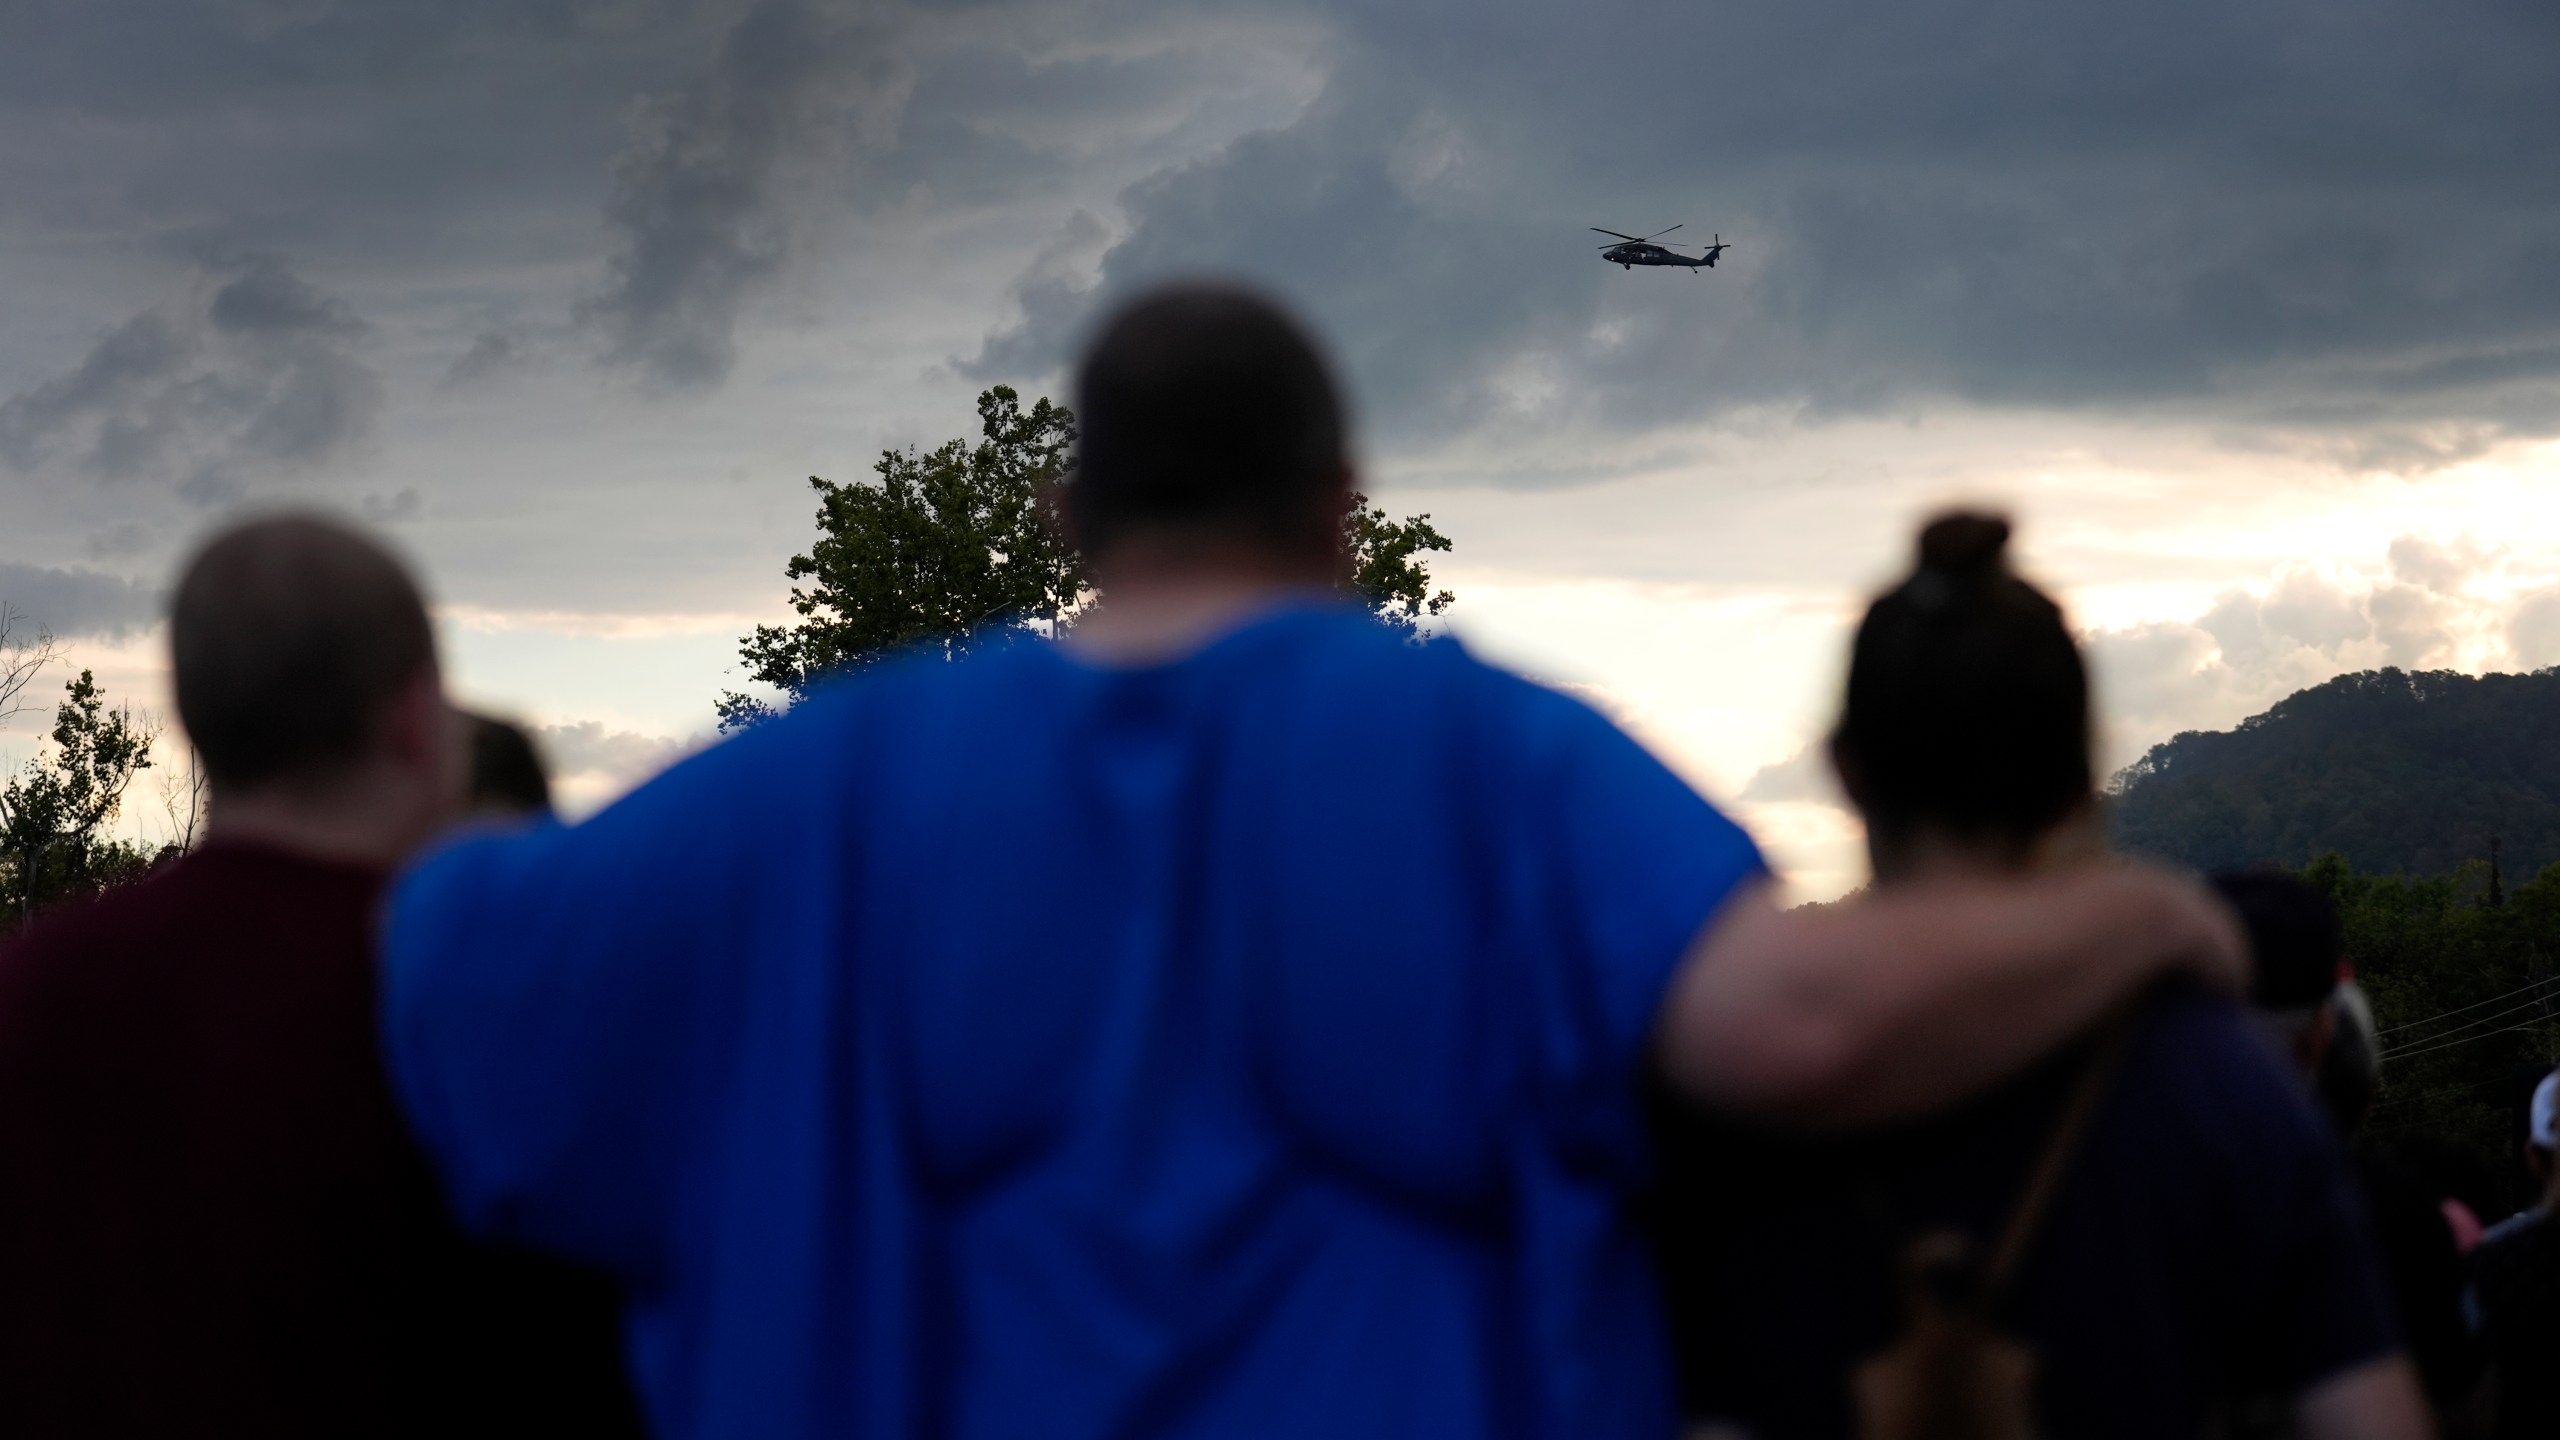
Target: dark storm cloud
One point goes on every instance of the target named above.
(712, 195)
(2330, 218)
(71, 603)
(461, 153)
(253, 373)
(2331, 215)
(441, 131)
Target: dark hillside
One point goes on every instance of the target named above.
(2398, 773)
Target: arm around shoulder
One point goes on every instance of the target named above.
(1901, 1001)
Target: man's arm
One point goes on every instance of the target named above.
(1896, 1003)
(2378, 1400)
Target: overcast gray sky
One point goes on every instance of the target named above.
(2251, 312)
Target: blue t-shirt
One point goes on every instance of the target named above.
(1248, 1045)
(2204, 1258)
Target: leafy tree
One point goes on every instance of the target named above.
(961, 546)
(2467, 997)
(1385, 571)
(946, 547)
(54, 813)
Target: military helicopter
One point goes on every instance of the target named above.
(1629, 251)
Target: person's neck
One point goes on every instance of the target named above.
(362, 818)
(1921, 854)
(1913, 859)
(1157, 605)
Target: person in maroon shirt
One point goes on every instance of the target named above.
(212, 1220)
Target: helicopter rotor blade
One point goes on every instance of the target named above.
(1662, 232)
(1637, 239)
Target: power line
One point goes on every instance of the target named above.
(2494, 1015)
(2457, 1010)
(2465, 1040)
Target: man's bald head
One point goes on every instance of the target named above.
(288, 638)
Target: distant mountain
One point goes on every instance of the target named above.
(2398, 772)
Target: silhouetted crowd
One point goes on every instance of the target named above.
(1229, 1020)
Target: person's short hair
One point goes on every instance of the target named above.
(287, 637)
(506, 771)
(1203, 407)
(2295, 940)
(1967, 708)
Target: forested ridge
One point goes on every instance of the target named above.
(2390, 791)
(2393, 771)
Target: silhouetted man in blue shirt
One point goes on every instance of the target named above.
(1227, 1021)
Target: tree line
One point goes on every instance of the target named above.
(2410, 798)
(2461, 971)
(2397, 771)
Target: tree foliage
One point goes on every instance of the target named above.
(22, 658)
(2396, 772)
(54, 813)
(2467, 995)
(944, 548)
(960, 546)
(1383, 556)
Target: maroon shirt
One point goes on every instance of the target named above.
(212, 1220)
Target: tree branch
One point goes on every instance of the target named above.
(21, 660)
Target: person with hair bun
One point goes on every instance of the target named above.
(2150, 1233)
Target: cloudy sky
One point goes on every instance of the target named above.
(2250, 312)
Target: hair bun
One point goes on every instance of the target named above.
(1964, 542)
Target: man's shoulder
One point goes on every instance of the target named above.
(1345, 644)
(2210, 1078)
(211, 895)
(112, 920)
(2523, 1231)
(2516, 1270)
(2184, 1026)
(82, 959)
(1335, 651)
